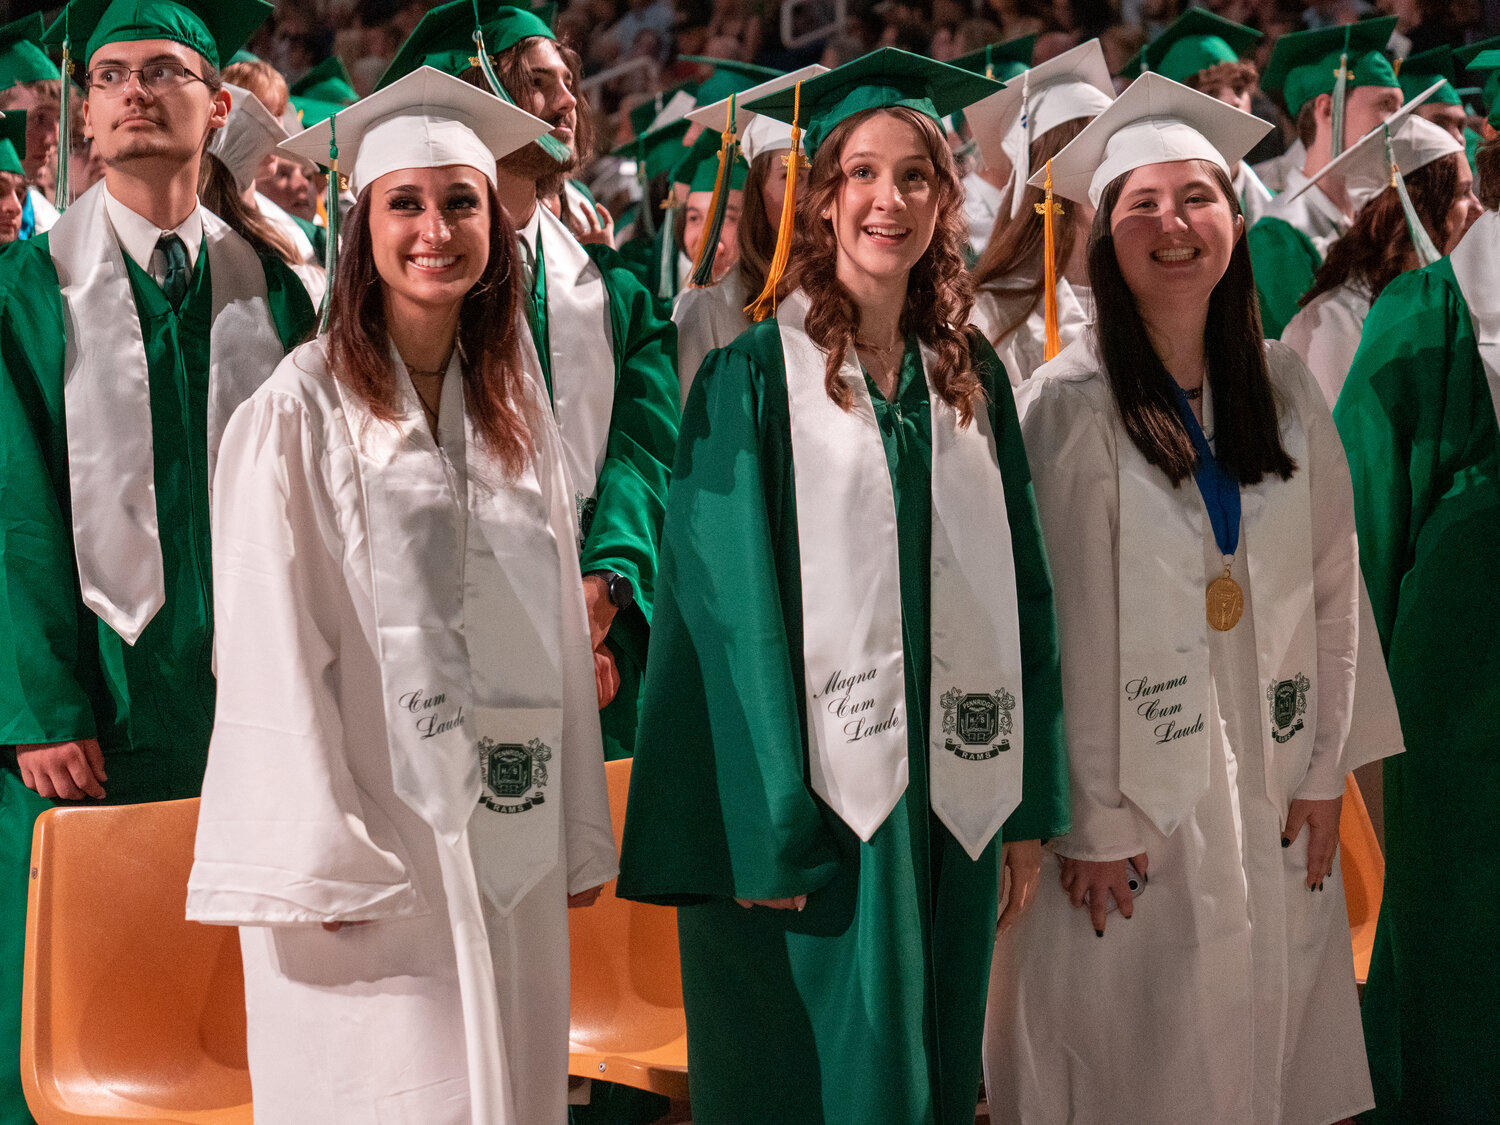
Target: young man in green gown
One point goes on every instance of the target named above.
(1287, 245)
(128, 334)
(1418, 418)
(29, 83)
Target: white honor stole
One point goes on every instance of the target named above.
(474, 606)
(1476, 264)
(1166, 697)
(851, 607)
(582, 342)
(107, 398)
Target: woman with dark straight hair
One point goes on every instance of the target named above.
(851, 720)
(1186, 962)
(1393, 231)
(1042, 109)
(405, 787)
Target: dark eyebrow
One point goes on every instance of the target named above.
(149, 62)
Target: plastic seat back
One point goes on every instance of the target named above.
(1362, 867)
(130, 1012)
(627, 1022)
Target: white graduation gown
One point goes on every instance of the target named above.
(1273, 173)
(706, 319)
(1229, 998)
(43, 214)
(1022, 349)
(439, 1009)
(982, 204)
(1312, 212)
(1325, 333)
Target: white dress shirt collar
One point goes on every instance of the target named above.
(138, 235)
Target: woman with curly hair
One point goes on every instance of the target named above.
(1383, 243)
(851, 719)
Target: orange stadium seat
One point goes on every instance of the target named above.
(627, 1019)
(130, 1012)
(1363, 869)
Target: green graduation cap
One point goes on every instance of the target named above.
(323, 91)
(21, 56)
(1490, 60)
(643, 115)
(1196, 41)
(444, 39)
(730, 76)
(1419, 71)
(883, 78)
(661, 149)
(1470, 57)
(216, 29)
(13, 141)
(999, 62)
(1305, 64)
(702, 152)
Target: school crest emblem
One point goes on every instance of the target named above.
(513, 775)
(1288, 700)
(977, 719)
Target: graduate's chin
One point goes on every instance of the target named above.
(143, 148)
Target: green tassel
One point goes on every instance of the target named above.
(546, 142)
(64, 126)
(331, 205)
(666, 265)
(708, 249)
(1340, 93)
(1427, 253)
(645, 219)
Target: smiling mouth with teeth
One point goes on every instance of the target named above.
(433, 262)
(886, 232)
(1175, 254)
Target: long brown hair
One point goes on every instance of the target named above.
(359, 352)
(1373, 251)
(1016, 247)
(756, 235)
(939, 294)
(220, 194)
(1247, 431)
(1487, 165)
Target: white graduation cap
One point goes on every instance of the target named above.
(1074, 84)
(1400, 144)
(427, 119)
(247, 138)
(758, 132)
(1155, 121)
(675, 110)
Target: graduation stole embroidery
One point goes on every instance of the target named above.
(1166, 701)
(1476, 265)
(479, 622)
(107, 398)
(851, 606)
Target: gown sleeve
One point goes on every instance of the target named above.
(719, 804)
(1043, 812)
(1072, 462)
(282, 833)
(1285, 262)
(44, 633)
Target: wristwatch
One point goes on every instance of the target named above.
(621, 593)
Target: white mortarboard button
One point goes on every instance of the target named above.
(427, 119)
(758, 133)
(1155, 121)
(247, 137)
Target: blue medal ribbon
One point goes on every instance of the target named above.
(1220, 491)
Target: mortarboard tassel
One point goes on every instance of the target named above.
(546, 142)
(666, 262)
(703, 268)
(1427, 253)
(645, 218)
(765, 304)
(1340, 94)
(1047, 209)
(331, 250)
(1021, 160)
(64, 124)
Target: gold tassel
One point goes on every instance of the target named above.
(765, 304)
(1047, 209)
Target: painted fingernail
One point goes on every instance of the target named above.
(1285, 843)
(1098, 933)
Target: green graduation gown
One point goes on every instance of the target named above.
(867, 1006)
(1285, 262)
(1419, 426)
(64, 674)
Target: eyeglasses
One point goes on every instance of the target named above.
(157, 77)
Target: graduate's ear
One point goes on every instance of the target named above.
(218, 114)
(1323, 111)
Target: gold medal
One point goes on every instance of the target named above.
(1226, 602)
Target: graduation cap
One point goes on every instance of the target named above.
(999, 62)
(322, 92)
(675, 101)
(1417, 72)
(730, 76)
(1332, 60)
(247, 137)
(757, 132)
(21, 56)
(427, 119)
(456, 36)
(1074, 84)
(1400, 144)
(1489, 60)
(216, 29)
(13, 141)
(1196, 41)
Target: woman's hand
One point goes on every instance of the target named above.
(585, 898)
(1023, 859)
(796, 902)
(1091, 883)
(1322, 820)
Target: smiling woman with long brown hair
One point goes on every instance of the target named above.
(405, 785)
(1198, 514)
(853, 652)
